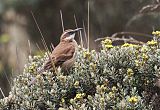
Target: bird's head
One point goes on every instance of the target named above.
(68, 35)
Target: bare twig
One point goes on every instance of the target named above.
(150, 8)
(11, 76)
(132, 40)
(37, 24)
(53, 65)
(7, 78)
(29, 46)
(157, 1)
(39, 48)
(43, 41)
(18, 65)
(52, 47)
(131, 33)
(121, 39)
(80, 35)
(2, 92)
(88, 25)
(62, 20)
(85, 34)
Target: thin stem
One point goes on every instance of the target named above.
(52, 47)
(88, 25)
(29, 46)
(18, 63)
(43, 41)
(39, 48)
(123, 39)
(62, 20)
(7, 78)
(2, 93)
(85, 34)
(79, 33)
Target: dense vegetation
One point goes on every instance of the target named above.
(18, 31)
(118, 77)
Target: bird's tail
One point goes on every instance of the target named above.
(35, 78)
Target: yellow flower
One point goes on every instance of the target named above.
(63, 100)
(34, 64)
(31, 69)
(130, 72)
(114, 88)
(76, 84)
(102, 100)
(144, 49)
(103, 88)
(137, 63)
(108, 46)
(107, 42)
(145, 57)
(152, 43)
(87, 54)
(127, 45)
(157, 33)
(93, 66)
(71, 101)
(111, 94)
(79, 96)
(133, 99)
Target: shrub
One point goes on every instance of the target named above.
(117, 77)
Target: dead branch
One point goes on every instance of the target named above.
(150, 8)
(123, 34)
(121, 39)
(131, 33)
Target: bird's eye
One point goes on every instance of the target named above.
(70, 33)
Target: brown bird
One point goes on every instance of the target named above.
(63, 54)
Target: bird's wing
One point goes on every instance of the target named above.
(62, 58)
(61, 53)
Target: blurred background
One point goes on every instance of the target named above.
(19, 36)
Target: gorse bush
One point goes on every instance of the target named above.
(118, 77)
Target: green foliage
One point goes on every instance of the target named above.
(117, 77)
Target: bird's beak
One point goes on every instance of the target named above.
(78, 29)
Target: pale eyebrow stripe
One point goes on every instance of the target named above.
(64, 33)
